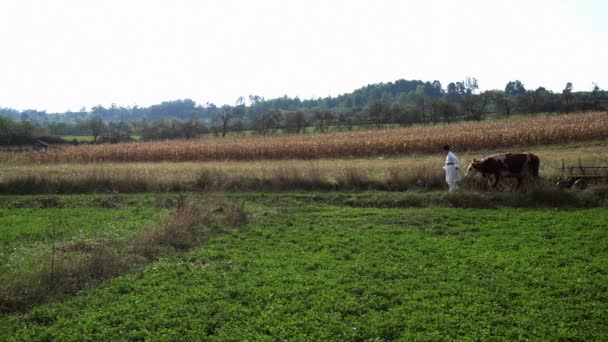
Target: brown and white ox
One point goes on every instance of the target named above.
(520, 165)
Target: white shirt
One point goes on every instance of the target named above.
(451, 159)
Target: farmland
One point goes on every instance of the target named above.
(528, 131)
(361, 171)
(305, 270)
(344, 236)
(419, 171)
(33, 231)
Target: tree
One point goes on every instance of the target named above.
(237, 125)
(541, 100)
(211, 109)
(98, 111)
(470, 85)
(324, 119)
(7, 127)
(460, 88)
(255, 99)
(596, 97)
(239, 110)
(175, 109)
(534, 101)
(567, 96)
(515, 88)
(96, 127)
(377, 113)
(443, 109)
(269, 121)
(452, 92)
(223, 117)
(422, 102)
(503, 102)
(472, 105)
(398, 113)
(295, 121)
(31, 115)
(120, 130)
(437, 90)
(9, 113)
(190, 127)
(344, 120)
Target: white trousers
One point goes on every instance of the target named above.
(451, 177)
(453, 186)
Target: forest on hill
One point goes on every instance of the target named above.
(399, 103)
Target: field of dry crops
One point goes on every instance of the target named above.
(469, 136)
(422, 171)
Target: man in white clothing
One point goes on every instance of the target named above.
(452, 166)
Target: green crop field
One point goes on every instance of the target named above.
(319, 266)
(88, 138)
(37, 221)
(78, 138)
(35, 233)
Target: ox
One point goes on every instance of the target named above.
(518, 165)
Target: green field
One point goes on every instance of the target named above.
(87, 138)
(78, 138)
(323, 266)
(38, 221)
(49, 243)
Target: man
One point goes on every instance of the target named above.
(452, 166)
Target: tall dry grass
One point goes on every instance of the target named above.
(402, 173)
(530, 131)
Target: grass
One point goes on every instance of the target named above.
(51, 246)
(39, 236)
(28, 221)
(78, 138)
(308, 269)
(87, 138)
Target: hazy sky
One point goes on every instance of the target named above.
(65, 54)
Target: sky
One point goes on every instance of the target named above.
(67, 54)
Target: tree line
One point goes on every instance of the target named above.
(399, 103)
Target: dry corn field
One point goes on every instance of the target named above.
(464, 136)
